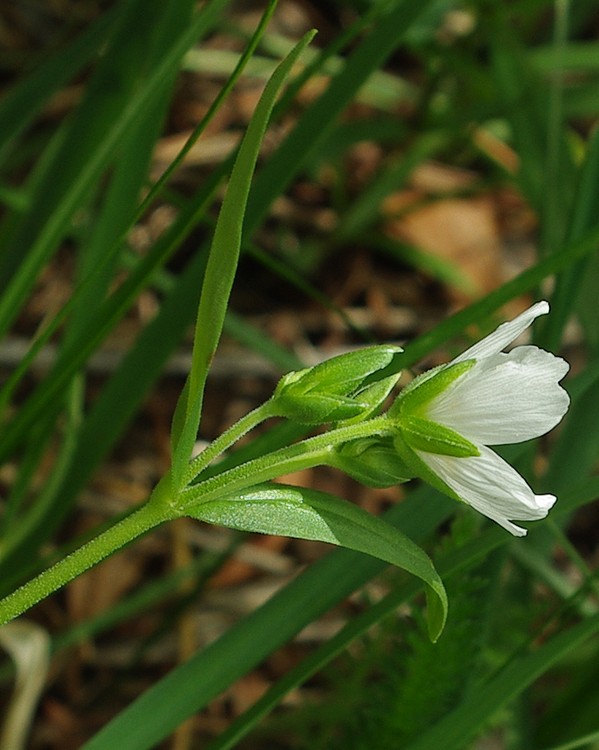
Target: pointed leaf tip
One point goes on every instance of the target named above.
(309, 514)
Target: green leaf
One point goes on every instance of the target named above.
(315, 125)
(74, 354)
(374, 395)
(317, 408)
(308, 514)
(222, 263)
(345, 373)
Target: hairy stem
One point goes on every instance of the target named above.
(129, 528)
(314, 451)
(230, 436)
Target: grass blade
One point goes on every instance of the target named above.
(57, 206)
(461, 725)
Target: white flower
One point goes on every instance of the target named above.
(500, 398)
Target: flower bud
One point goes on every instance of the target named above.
(344, 387)
(371, 461)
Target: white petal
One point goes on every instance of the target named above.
(491, 486)
(505, 334)
(505, 398)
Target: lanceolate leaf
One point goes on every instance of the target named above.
(308, 514)
(222, 265)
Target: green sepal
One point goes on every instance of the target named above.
(335, 389)
(317, 408)
(373, 396)
(418, 468)
(309, 514)
(432, 437)
(371, 461)
(423, 389)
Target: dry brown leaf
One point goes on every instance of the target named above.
(102, 586)
(236, 571)
(461, 231)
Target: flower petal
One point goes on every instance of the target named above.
(491, 486)
(505, 398)
(505, 334)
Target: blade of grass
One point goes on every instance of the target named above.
(22, 103)
(524, 98)
(583, 742)
(366, 207)
(462, 724)
(156, 593)
(479, 310)
(355, 628)
(287, 271)
(434, 266)
(114, 218)
(76, 354)
(576, 279)
(57, 206)
(111, 411)
(367, 19)
(382, 90)
(572, 457)
(253, 338)
(152, 716)
(118, 76)
(13, 526)
(575, 55)
(316, 123)
(556, 132)
(241, 65)
(573, 711)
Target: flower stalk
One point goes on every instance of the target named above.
(314, 451)
(228, 438)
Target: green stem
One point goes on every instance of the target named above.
(230, 436)
(162, 506)
(305, 454)
(140, 521)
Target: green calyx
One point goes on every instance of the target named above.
(417, 435)
(423, 389)
(431, 437)
(418, 468)
(371, 461)
(342, 388)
